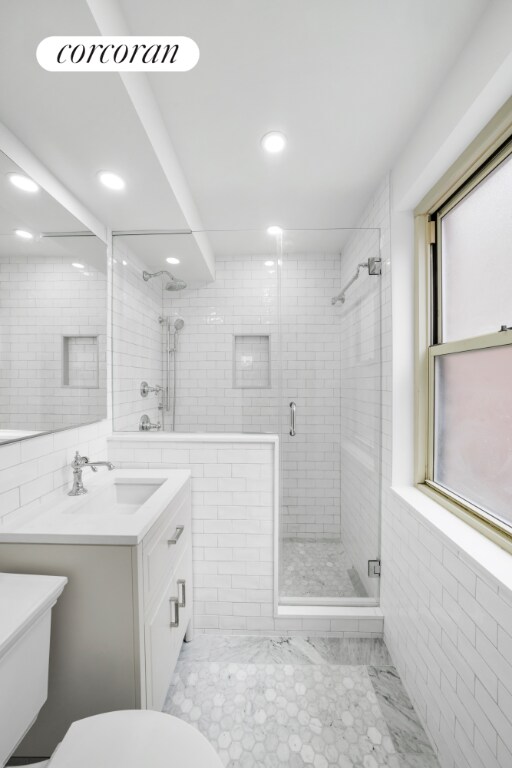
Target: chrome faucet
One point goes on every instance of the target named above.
(78, 464)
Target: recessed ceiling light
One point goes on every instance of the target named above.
(172, 260)
(23, 182)
(269, 263)
(111, 180)
(273, 230)
(77, 265)
(24, 234)
(273, 142)
(124, 263)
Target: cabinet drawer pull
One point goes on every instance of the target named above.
(175, 614)
(182, 590)
(177, 533)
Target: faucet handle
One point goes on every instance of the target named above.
(79, 461)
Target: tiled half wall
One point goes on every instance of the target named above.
(234, 503)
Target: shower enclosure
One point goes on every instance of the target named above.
(265, 348)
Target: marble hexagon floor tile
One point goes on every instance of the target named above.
(284, 715)
(270, 702)
(302, 576)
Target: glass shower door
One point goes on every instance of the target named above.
(330, 422)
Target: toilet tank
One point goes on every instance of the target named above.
(25, 618)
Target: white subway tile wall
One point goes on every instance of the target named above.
(449, 631)
(36, 472)
(137, 340)
(448, 622)
(233, 541)
(42, 300)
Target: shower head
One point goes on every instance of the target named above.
(174, 283)
(178, 324)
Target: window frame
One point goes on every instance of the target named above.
(488, 151)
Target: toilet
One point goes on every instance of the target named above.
(124, 739)
(131, 739)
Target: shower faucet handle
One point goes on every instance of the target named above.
(145, 424)
(145, 389)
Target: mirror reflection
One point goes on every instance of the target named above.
(53, 300)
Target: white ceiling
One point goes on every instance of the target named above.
(80, 124)
(346, 80)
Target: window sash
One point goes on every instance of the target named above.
(437, 251)
(498, 339)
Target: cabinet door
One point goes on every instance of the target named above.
(164, 632)
(164, 546)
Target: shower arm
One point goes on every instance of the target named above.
(148, 275)
(373, 265)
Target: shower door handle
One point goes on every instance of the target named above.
(293, 408)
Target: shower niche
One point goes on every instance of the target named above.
(251, 362)
(80, 362)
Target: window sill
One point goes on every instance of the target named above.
(484, 553)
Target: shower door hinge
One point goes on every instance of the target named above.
(432, 232)
(374, 569)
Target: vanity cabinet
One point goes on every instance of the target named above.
(119, 625)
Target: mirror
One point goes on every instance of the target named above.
(53, 313)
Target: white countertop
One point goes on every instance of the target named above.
(62, 523)
(22, 600)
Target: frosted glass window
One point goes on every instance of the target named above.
(473, 427)
(477, 259)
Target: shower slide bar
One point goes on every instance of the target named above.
(373, 265)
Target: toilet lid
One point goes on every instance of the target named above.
(134, 739)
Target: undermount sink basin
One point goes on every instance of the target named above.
(122, 497)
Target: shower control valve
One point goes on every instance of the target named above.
(145, 389)
(145, 424)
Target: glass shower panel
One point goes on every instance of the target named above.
(331, 387)
(262, 348)
(226, 352)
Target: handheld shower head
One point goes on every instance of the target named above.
(179, 323)
(174, 283)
